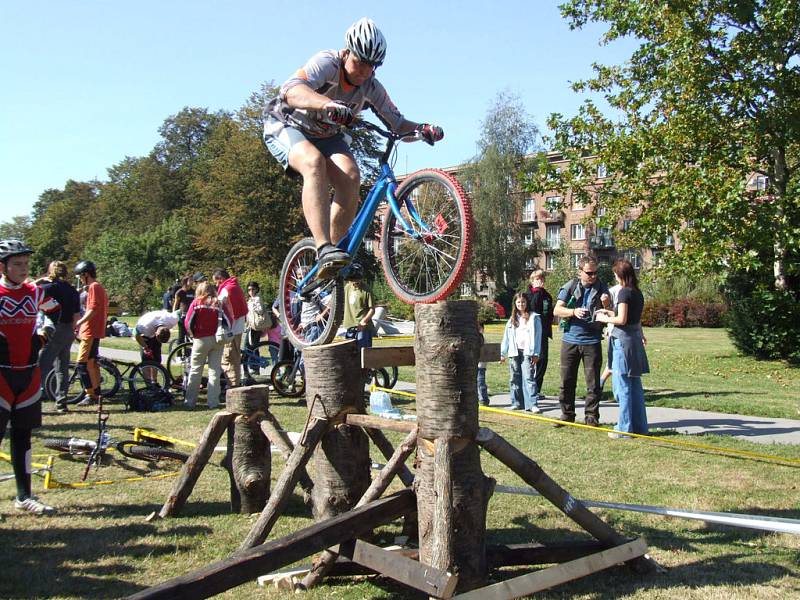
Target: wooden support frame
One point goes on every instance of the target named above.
(547, 578)
(247, 565)
(403, 356)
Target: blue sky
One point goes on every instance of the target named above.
(86, 83)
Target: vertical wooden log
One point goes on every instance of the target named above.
(340, 464)
(447, 347)
(250, 458)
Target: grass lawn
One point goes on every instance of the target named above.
(99, 544)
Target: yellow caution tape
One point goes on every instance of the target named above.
(140, 434)
(50, 482)
(697, 445)
(7, 458)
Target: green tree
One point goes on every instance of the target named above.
(17, 228)
(508, 135)
(710, 97)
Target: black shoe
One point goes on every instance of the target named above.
(592, 422)
(249, 381)
(563, 421)
(331, 260)
(61, 407)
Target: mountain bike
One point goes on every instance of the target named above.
(256, 362)
(425, 245)
(110, 382)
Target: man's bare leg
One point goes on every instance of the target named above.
(309, 162)
(346, 179)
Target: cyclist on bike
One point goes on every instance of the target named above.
(91, 329)
(20, 389)
(302, 129)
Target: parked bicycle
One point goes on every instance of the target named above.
(425, 245)
(148, 383)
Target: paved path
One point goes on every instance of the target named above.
(762, 430)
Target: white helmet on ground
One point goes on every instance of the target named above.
(366, 41)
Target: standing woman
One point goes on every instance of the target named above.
(522, 344)
(630, 359)
(202, 321)
(56, 352)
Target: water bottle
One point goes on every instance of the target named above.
(564, 325)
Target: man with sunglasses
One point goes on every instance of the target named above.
(577, 302)
(302, 130)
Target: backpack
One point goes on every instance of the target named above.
(260, 320)
(149, 400)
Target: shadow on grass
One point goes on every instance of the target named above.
(668, 394)
(83, 562)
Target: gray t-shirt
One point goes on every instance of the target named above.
(324, 73)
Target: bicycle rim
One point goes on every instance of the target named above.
(150, 453)
(110, 378)
(301, 258)
(284, 383)
(149, 383)
(258, 360)
(427, 266)
(178, 362)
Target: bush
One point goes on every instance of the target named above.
(655, 314)
(486, 311)
(688, 312)
(763, 321)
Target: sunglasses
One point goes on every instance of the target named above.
(591, 273)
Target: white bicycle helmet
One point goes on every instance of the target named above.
(366, 41)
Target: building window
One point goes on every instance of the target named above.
(761, 182)
(530, 264)
(529, 210)
(577, 231)
(552, 202)
(577, 204)
(510, 183)
(466, 289)
(634, 258)
(602, 171)
(528, 239)
(627, 224)
(574, 259)
(669, 240)
(604, 260)
(549, 261)
(601, 211)
(657, 258)
(553, 236)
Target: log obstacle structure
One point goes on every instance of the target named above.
(449, 494)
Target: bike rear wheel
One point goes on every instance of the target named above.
(69, 445)
(110, 382)
(287, 383)
(148, 385)
(179, 361)
(328, 297)
(384, 377)
(141, 451)
(427, 266)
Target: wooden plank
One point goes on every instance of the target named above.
(547, 578)
(246, 565)
(427, 579)
(374, 422)
(507, 555)
(403, 356)
(387, 356)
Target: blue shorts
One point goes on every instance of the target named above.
(280, 139)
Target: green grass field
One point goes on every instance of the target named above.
(100, 546)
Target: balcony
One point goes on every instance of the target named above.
(601, 241)
(551, 216)
(529, 216)
(551, 243)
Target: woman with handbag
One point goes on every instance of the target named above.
(259, 319)
(204, 318)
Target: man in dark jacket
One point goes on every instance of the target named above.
(577, 302)
(540, 301)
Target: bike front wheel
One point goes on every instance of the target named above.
(70, 445)
(426, 264)
(141, 451)
(311, 320)
(257, 361)
(287, 380)
(179, 360)
(110, 382)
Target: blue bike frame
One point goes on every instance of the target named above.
(385, 186)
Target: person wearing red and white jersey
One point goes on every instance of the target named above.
(20, 377)
(302, 129)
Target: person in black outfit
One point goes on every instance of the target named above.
(540, 301)
(56, 352)
(183, 298)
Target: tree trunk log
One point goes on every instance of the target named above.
(251, 458)
(454, 489)
(340, 464)
(194, 466)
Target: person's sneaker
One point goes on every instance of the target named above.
(618, 436)
(484, 403)
(87, 401)
(563, 421)
(32, 504)
(512, 407)
(61, 407)
(535, 410)
(331, 260)
(592, 422)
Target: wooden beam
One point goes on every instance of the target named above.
(246, 565)
(380, 423)
(286, 482)
(547, 578)
(427, 579)
(193, 467)
(403, 356)
(507, 555)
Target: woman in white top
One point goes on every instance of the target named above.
(522, 343)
